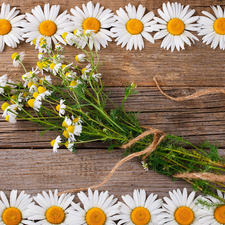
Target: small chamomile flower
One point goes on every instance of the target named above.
(9, 113)
(80, 58)
(69, 38)
(58, 47)
(40, 56)
(35, 103)
(85, 71)
(179, 209)
(3, 81)
(10, 32)
(55, 143)
(144, 165)
(132, 26)
(215, 214)
(213, 27)
(61, 107)
(14, 210)
(139, 210)
(97, 76)
(46, 24)
(175, 25)
(51, 209)
(55, 68)
(17, 58)
(99, 209)
(45, 79)
(69, 145)
(74, 83)
(95, 19)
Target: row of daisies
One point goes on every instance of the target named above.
(128, 26)
(103, 209)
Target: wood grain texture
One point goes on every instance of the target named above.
(26, 159)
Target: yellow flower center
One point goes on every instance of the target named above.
(184, 215)
(91, 23)
(73, 83)
(140, 216)
(134, 26)
(31, 102)
(11, 216)
(219, 214)
(95, 216)
(175, 26)
(13, 99)
(52, 65)
(34, 41)
(5, 26)
(64, 35)
(64, 124)
(41, 89)
(4, 106)
(52, 142)
(76, 120)
(219, 26)
(47, 28)
(14, 55)
(7, 118)
(35, 94)
(66, 134)
(55, 215)
(57, 108)
(70, 128)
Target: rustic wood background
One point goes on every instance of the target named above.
(27, 160)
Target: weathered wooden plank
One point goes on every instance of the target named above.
(27, 161)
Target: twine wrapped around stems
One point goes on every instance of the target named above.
(202, 176)
(158, 137)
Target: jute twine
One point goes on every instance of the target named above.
(195, 95)
(202, 176)
(158, 136)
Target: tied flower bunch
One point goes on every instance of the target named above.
(72, 101)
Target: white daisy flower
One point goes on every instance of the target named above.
(139, 210)
(42, 93)
(80, 57)
(16, 57)
(47, 24)
(70, 75)
(99, 209)
(213, 27)
(3, 81)
(51, 209)
(14, 211)
(94, 18)
(175, 25)
(131, 26)
(55, 143)
(214, 215)
(61, 107)
(180, 209)
(10, 32)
